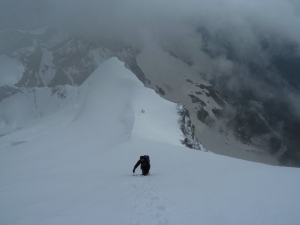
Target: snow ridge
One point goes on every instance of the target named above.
(74, 166)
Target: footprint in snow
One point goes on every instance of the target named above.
(148, 205)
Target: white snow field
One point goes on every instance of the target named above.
(73, 166)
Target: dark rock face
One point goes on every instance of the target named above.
(204, 117)
(160, 90)
(197, 100)
(73, 68)
(218, 112)
(274, 145)
(267, 81)
(32, 65)
(212, 93)
(268, 124)
(188, 80)
(60, 91)
(253, 121)
(247, 124)
(272, 123)
(187, 128)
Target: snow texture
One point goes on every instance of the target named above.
(73, 166)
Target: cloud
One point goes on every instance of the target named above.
(25, 14)
(239, 40)
(239, 20)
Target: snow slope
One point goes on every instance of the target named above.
(79, 171)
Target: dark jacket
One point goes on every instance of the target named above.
(145, 165)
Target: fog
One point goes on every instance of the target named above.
(239, 19)
(248, 43)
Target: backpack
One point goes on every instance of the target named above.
(147, 158)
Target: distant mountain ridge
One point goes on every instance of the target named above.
(53, 59)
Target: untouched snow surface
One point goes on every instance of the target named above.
(80, 170)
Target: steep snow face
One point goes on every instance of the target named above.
(34, 112)
(118, 102)
(121, 97)
(75, 166)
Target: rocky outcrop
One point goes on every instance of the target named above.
(188, 129)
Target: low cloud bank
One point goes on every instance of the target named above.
(242, 45)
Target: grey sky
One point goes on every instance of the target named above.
(235, 30)
(119, 16)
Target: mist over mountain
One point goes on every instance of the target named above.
(247, 50)
(251, 44)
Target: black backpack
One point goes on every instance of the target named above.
(147, 158)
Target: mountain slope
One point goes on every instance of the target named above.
(243, 125)
(80, 172)
(50, 57)
(177, 81)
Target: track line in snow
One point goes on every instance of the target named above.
(149, 206)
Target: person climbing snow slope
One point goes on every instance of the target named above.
(145, 165)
